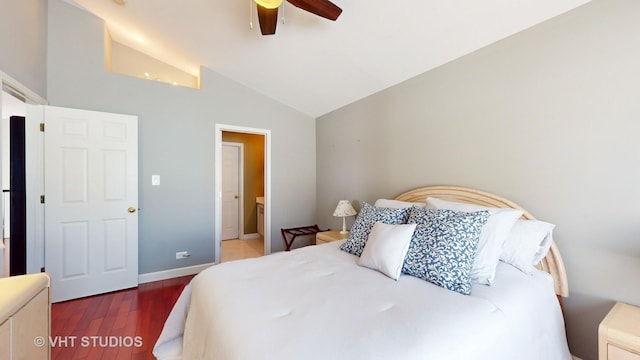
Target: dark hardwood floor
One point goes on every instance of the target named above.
(119, 325)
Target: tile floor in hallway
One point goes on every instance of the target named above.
(241, 249)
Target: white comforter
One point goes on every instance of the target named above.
(317, 303)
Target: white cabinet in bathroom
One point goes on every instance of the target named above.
(260, 205)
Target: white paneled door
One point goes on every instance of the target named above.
(231, 155)
(91, 201)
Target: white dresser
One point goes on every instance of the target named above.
(25, 317)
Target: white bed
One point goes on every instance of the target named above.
(318, 303)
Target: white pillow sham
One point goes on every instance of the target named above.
(493, 235)
(527, 244)
(397, 204)
(386, 248)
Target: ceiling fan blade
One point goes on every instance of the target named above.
(324, 8)
(268, 19)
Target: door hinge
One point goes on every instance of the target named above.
(42, 127)
(41, 199)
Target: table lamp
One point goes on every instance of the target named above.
(344, 209)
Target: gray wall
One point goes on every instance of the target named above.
(23, 42)
(176, 135)
(549, 118)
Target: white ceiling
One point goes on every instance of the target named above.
(312, 64)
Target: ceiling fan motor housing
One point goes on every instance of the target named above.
(268, 11)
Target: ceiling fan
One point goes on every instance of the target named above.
(268, 11)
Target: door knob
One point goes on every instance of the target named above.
(235, 196)
(131, 209)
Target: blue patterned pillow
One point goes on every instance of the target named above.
(444, 246)
(368, 216)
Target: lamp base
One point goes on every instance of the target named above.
(344, 226)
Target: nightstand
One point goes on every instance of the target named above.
(619, 334)
(329, 236)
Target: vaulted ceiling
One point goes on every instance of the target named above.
(312, 64)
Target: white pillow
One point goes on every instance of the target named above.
(397, 204)
(527, 244)
(386, 248)
(493, 235)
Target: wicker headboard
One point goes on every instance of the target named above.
(552, 263)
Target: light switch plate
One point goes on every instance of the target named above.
(155, 180)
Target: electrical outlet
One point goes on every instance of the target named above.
(182, 255)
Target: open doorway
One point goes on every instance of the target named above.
(242, 154)
(242, 193)
(13, 111)
(17, 99)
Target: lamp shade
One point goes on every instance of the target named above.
(269, 4)
(344, 208)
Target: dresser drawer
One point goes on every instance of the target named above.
(616, 353)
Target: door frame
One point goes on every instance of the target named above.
(240, 147)
(217, 198)
(34, 145)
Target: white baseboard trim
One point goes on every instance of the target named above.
(250, 236)
(575, 357)
(173, 273)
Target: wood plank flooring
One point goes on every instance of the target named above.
(125, 324)
(119, 325)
